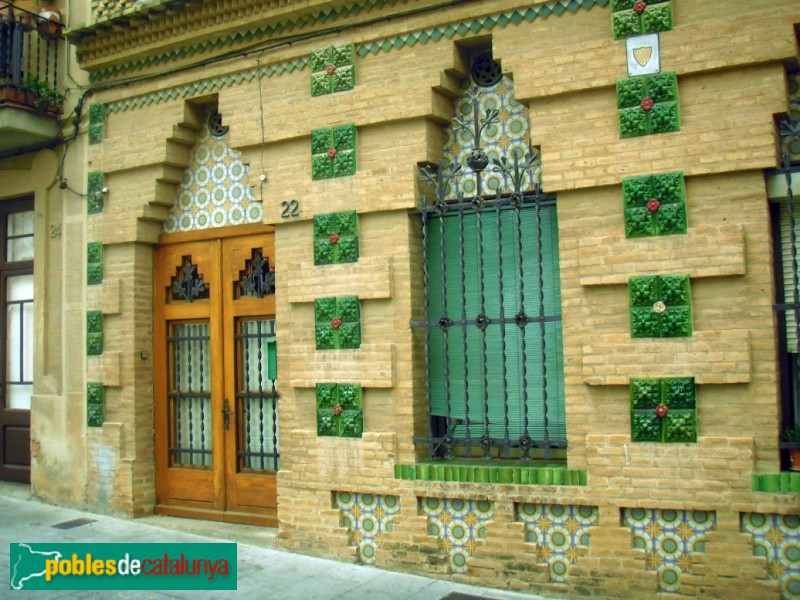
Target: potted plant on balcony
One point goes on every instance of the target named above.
(792, 436)
(45, 98)
(14, 93)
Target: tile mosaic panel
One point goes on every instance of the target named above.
(94, 332)
(333, 69)
(510, 136)
(661, 306)
(214, 190)
(663, 410)
(97, 123)
(340, 410)
(558, 532)
(777, 538)
(333, 152)
(94, 263)
(95, 404)
(670, 538)
(337, 322)
(368, 518)
(336, 238)
(633, 17)
(95, 182)
(458, 524)
(648, 105)
(654, 205)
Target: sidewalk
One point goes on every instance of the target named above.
(263, 571)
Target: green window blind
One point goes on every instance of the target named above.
(786, 264)
(459, 384)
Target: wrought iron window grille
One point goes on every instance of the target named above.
(256, 280)
(187, 284)
(787, 304)
(463, 420)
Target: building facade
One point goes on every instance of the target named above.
(498, 291)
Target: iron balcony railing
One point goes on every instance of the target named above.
(29, 48)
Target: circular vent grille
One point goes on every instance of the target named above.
(215, 125)
(485, 70)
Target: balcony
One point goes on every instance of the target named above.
(30, 102)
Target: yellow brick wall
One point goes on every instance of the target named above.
(729, 59)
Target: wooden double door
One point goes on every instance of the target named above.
(216, 398)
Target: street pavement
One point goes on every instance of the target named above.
(263, 571)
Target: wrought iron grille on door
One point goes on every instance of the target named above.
(492, 320)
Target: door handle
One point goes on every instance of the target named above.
(226, 411)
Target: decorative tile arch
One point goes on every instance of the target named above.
(214, 191)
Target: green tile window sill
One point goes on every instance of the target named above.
(786, 482)
(506, 474)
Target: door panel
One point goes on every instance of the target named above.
(216, 389)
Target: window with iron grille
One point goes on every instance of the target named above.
(785, 209)
(492, 321)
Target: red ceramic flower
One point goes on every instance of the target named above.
(647, 104)
(331, 152)
(653, 205)
(336, 322)
(330, 69)
(337, 410)
(334, 237)
(639, 6)
(662, 410)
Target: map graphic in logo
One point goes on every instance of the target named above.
(28, 564)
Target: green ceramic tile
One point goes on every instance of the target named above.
(332, 69)
(670, 219)
(94, 415)
(95, 182)
(324, 310)
(645, 393)
(94, 263)
(633, 122)
(333, 152)
(95, 393)
(656, 17)
(660, 306)
(94, 332)
(97, 118)
(669, 216)
(327, 424)
(337, 322)
(680, 422)
(350, 423)
(664, 118)
(680, 426)
(679, 392)
(645, 426)
(631, 91)
(336, 238)
(664, 114)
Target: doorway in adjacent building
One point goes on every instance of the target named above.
(16, 351)
(216, 398)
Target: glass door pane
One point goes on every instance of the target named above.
(257, 395)
(189, 395)
(19, 341)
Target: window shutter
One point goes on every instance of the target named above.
(786, 264)
(461, 376)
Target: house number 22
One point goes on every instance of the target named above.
(291, 208)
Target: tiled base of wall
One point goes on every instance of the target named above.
(777, 537)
